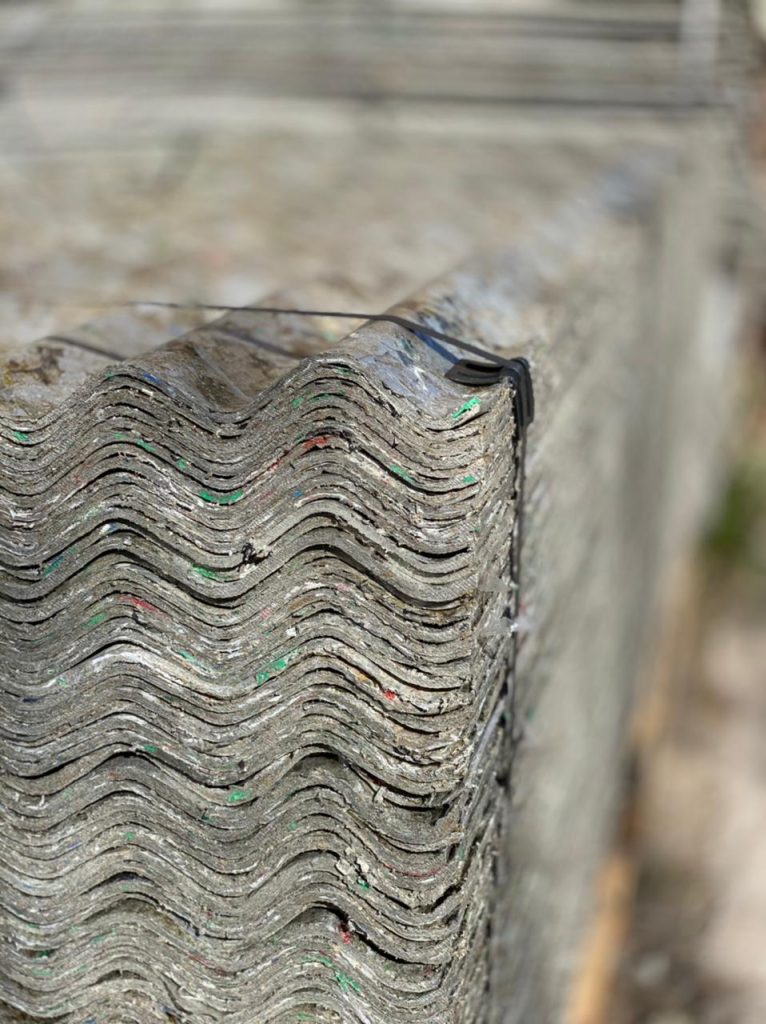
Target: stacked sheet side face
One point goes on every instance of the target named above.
(256, 702)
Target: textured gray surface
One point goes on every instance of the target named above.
(592, 53)
(285, 700)
(257, 702)
(283, 659)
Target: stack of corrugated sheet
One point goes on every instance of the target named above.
(260, 677)
(626, 54)
(264, 662)
(256, 712)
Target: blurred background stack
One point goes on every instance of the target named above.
(588, 166)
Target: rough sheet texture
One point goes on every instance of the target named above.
(278, 741)
(260, 620)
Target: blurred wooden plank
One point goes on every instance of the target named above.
(595, 989)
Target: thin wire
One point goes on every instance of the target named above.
(63, 339)
(408, 325)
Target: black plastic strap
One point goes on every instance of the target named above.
(478, 375)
